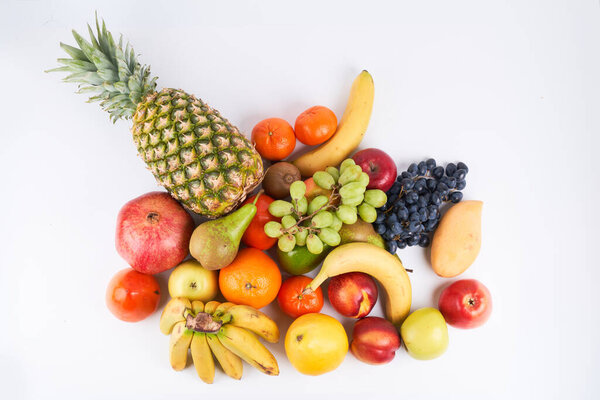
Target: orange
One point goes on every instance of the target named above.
(274, 138)
(252, 279)
(315, 125)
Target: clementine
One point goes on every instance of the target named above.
(252, 279)
(274, 138)
(315, 125)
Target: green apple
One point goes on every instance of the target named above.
(425, 334)
(194, 282)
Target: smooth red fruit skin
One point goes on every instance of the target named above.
(255, 235)
(374, 340)
(293, 302)
(153, 232)
(352, 294)
(380, 167)
(466, 304)
(132, 296)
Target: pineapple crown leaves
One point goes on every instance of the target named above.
(107, 70)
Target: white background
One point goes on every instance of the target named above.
(509, 87)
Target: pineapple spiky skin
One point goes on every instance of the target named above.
(195, 153)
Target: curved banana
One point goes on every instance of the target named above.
(245, 345)
(222, 309)
(173, 313)
(381, 265)
(349, 133)
(202, 357)
(179, 343)
(211, 306)
(197, 306)
(256, 321)
(232, 365)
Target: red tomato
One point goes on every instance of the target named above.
(315, 125)
(132, 296)
(293, 302)
(255, 235)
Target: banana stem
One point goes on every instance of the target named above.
(316, 282)
(203, 323)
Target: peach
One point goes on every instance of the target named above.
(352, 294)
(312, 190)
(374, 340)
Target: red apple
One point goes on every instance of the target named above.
(153, 232)
(466, 304)
(374, 340)
(352, 294)
(380, 167)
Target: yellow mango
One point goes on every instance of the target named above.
(457, 239)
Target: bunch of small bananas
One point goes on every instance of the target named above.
(223, 329)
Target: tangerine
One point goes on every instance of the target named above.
(252, 279)
(274, 138)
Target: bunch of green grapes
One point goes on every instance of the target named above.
(303, 223)
(351, 182)
(312, 224)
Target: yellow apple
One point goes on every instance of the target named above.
(194, 282)
(425, 334)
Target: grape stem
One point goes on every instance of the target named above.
(329, 205)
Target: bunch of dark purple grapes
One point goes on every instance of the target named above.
(412, 211)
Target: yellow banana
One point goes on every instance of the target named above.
(173, 313)
(349, 133)
(179, 343)
(231, 364)
(211, 306)
(197, 306)
(250, 318)
(222, 308)
(381, 265)
(245, 345)
(202, 357)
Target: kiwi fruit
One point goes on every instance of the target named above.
(278, 179)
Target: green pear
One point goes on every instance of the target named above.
(215, 243)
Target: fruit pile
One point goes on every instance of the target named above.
(319, 221)
(349, 215)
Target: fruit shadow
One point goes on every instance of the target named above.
(163, 283)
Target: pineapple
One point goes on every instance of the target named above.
(195, 153)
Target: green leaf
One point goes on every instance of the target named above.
(93, 54)
(74, 52)
(108, 75)
(121, 87)
(87, 77)
(78, 65)
(95, 43)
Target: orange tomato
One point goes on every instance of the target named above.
(274, 138)
(315, 125)
(252, 279)
(255, 235)
(293, 302)
(132, 296)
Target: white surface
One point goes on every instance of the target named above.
(510, 87)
